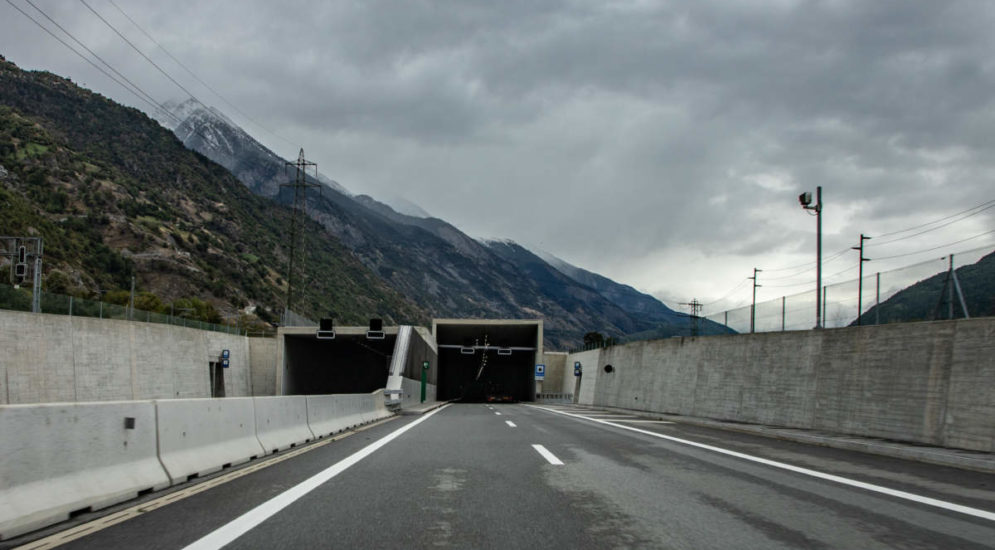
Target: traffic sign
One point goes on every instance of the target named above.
(540, 372)
(224, 363)
(225, 354)
(577, 369)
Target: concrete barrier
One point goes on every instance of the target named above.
(60, 458)
(326, 414)
(201, 436)
(281, 422)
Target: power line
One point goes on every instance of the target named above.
(935, 221)
(197, 78)
(936, 247)
(91, 52)
(727, 294)
(147, 58)
(85, 58)
(992, 205)
(832, 258)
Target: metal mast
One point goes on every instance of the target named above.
(300, 187)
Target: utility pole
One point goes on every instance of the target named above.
(753, 306)
(860, 276)
(806, 201)
(695, 306)
(300, 187)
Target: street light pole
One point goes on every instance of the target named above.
(806, 201)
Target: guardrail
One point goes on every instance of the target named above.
(61, 459)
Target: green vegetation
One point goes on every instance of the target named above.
(115, 195)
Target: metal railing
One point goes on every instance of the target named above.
(19, 299)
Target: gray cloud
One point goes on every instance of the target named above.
(662, 143)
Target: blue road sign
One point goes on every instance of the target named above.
(225, 354)
(577, 369)
(224, 363)
(540, 372)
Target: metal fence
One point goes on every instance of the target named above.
(19, 299)
(841, 299)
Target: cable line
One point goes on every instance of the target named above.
(936, 247)
(937, 227)
(936, 221)
(197, 78)
(147, 58)
(94, 54)
(85, 58)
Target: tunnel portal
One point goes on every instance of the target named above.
(349, 363)
(487, 360)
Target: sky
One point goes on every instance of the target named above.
(662, 144)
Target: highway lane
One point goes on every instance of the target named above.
(471, 476)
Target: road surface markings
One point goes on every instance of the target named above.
(646, 421)
(510, 423)
(80, 531)
(242, 524)
(497, 413)
(967, 510)
(550, 457)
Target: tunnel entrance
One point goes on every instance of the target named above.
(487, 360)
(349, 363)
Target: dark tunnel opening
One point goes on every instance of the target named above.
(487, 362)
(347, 364)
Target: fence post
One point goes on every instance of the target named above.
(70, 306)
(783, 299)
(877, 301)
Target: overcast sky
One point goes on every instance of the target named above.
(662, 144)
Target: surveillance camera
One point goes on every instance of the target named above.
(805, 199)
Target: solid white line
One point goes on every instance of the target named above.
(550, 457)
(646, 421)
(242, 524)
(967, 510)
(510, 423)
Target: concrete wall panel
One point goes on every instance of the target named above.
(201, 436)
(262, 364)
(62, 457)
(281, 422)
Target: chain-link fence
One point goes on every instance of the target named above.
(19, 299)
(940, 297)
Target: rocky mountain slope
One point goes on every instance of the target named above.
(115, 194)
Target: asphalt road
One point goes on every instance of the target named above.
(471, 476)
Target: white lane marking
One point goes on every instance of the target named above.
(510, 423)
(242, 524)
(978, 513)
(550, 457)
(497, 413)
(646, 421)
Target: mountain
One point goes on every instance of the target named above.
(624, 296)
(426, 259)
(928, 299)
(114, 194)
(209, 132)
(104, 182)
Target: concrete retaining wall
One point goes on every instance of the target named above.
(59, 458)
(201, 436)
(262, 364)
(57, 358)
(281, 422)
(928, 383)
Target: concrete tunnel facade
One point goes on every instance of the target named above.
(469, 360)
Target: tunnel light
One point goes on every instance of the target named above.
(466, 351)
(325, 329)
(504, 351)
(376, 330)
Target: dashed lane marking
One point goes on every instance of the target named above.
(550, 457)
(510, 423)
